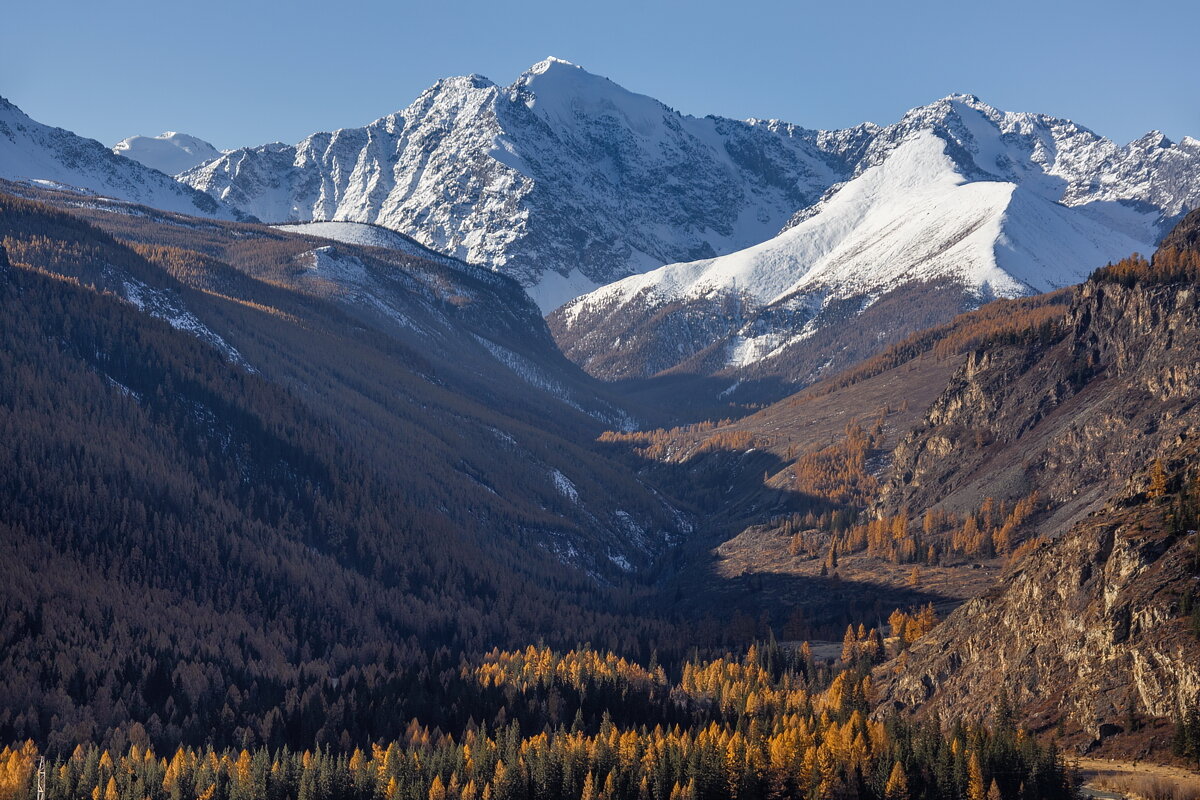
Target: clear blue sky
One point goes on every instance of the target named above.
(244, 73)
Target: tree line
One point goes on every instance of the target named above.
(755, 727)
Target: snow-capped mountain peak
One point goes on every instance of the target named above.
(563, 179)
(957, 193)
(170, 152)
(560, 92)
(566, 181)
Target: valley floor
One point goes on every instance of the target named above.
(765, 551)
(1106, 779)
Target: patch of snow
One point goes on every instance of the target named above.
(527, 370)
(733, 387)
(167, 307)
(564, 486)
(363, 234)
(122, 388)
(621, 562)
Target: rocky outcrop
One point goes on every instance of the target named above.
(1071, 413)
(1084, 632)
(1185, 235)
(1089, 629)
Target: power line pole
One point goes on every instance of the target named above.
(41, 778)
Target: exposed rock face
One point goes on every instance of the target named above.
(1086, 627)
(1071, 415)
(562, 180)
(1186, 235)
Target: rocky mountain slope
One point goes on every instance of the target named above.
(1089, 632)
(1070, 417)
(38, 154)
(562, 179)
(169, 153)
(956, 194)
(1090, 629)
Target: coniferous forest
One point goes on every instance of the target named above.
(585, 724)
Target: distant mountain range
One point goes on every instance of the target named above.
(791, 252)
(959, 195)
(38, 154)
(566, 181)
(562, 179)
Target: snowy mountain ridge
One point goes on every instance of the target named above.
(956, 193)
(562, 180)
(566, 181)
(31, 152)
(1062, 160)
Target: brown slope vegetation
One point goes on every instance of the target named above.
(290, 553)
(778, 488)
(810, 435)
(1093, 630)
(450, 360)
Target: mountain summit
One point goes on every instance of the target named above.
(563, 179)
(566, 181)
(38, 154)
(169, 152)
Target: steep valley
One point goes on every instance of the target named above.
(1028, 468)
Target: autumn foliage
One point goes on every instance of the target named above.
(756, 728)
(1169, 265)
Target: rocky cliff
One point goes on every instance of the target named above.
(1091, 628)
(1071, 412)
(1087, 632)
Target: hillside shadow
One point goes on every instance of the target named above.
(726, 492)
(790, 606)
(684, 399)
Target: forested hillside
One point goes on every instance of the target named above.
(586, 724)
(212, 541)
